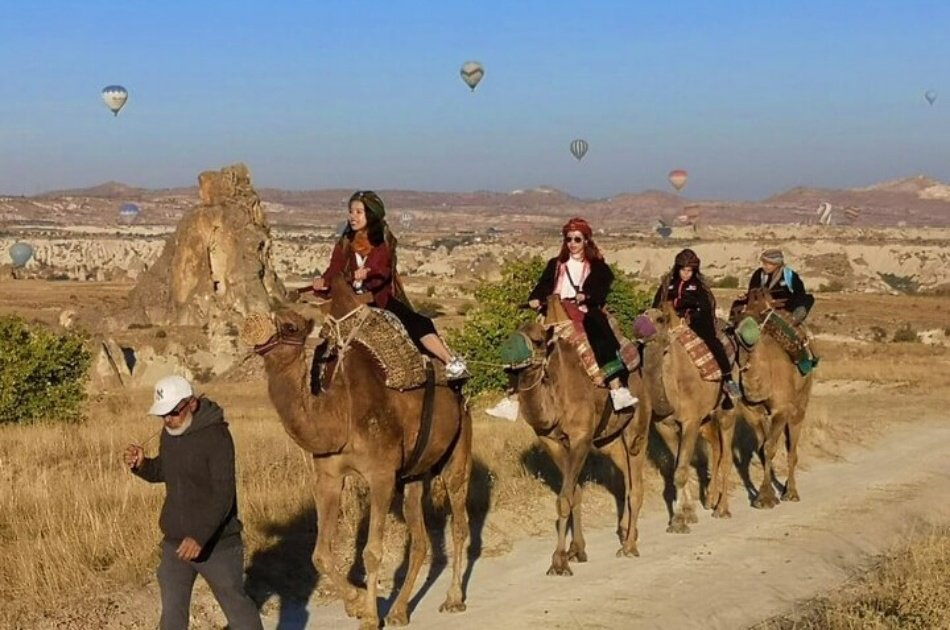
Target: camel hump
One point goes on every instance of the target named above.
(383, 336)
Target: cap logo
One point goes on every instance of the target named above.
(159, 394)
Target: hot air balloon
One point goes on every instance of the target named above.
(115, 96)
(128, 212)
(824, 213)
(664, 231)
(678, 178)
(579, 149)
(20, 253)
(931, 96)
(472, 72)
(851, 214)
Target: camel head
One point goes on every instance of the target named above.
(280, 336)
(343, 300)
(758, 304)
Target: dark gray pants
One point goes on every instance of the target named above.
(223, 570)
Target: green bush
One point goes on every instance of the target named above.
(42, 374)
(495, 315)
(906, 334)
(726, 282)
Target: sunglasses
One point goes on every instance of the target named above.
(177, 411)
(573, 239)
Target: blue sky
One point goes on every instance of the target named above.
(751, 97)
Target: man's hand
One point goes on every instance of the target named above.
(361, 273)
(188, 549)
(581, 298)
(133, 456)
(535, 304)
(319, 284)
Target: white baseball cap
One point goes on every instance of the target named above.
(170, 391)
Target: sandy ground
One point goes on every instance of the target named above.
(724, 574)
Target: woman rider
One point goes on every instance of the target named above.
(686, 288)
(366, 256)
(581, 278)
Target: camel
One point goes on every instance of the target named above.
(566, 410)
(680, 405)
(358, 426)
(774, 398)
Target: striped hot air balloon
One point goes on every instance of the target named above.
(115, 96)
(579, 149)
(851, 214)
(678, 178)
(472, 72)
(824, 213)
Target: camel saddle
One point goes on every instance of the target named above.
(385, 338)
(793, 338)
(700, 353)
(628, 356)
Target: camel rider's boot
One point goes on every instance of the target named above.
(456, 369)
(622, 398)
(731, 387)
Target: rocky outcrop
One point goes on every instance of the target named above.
(216, 267)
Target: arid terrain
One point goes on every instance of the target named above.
(78, 533)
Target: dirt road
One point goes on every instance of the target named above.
(724, 574)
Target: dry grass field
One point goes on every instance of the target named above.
(79, 535)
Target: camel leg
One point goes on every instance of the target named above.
(723, 471)
(456, 476)
(710, 432)
(669, 433)
(573, 462)
(381, 488)
(632, 469)
(767, 496)
(418, 549)
(327, 490)
(577, 552)
(793, 431)
(681, 509)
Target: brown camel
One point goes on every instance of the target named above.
(566, 410)
(775, 396)
(358, 426)
(680, 405)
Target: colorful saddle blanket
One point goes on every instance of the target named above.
(794, 339)
(383, 335)
(628, 356)
(700, 353)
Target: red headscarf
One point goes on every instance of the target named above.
(577, 224)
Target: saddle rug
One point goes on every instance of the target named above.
(700, 353)
(384, 337)
(628, 356)
(794, 339)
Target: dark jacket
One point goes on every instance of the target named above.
(197, 468)
(793, 296)
(689, 298)
(379, 262)
(595, 287)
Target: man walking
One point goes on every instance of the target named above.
(202, 533)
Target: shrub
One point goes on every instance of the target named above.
(430, 290)
(42, 374)
(902, 284)
(429, 309)
(495, 315)
(726, 282)
(905, 334)
(832, 286)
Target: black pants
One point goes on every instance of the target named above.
(416, 324)
(600, 336)
(706, 330)
(223, 570)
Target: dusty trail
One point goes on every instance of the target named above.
(724, 574)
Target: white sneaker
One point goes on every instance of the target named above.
(456, 369)
(622, 398)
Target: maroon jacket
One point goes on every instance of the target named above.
(379, 262)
